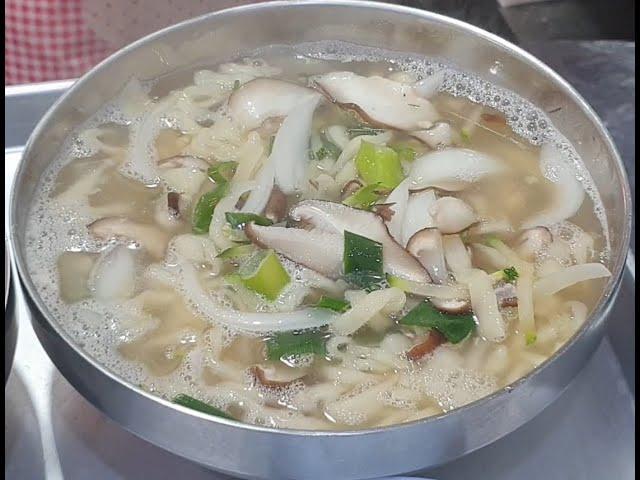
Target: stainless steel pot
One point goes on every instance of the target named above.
(10, 326)
(256, 452)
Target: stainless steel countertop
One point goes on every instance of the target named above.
(52, 432)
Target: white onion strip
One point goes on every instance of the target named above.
(248, 322)
(562, 279)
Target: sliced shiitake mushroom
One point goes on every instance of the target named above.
(351, 187)
(272, 376)
(434, 340)
(276, 208)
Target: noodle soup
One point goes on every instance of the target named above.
(317, 240)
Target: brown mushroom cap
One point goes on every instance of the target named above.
(276, 377)
(276, 208)
(434, 340)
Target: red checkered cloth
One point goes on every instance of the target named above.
(48, 40)
(62, 39)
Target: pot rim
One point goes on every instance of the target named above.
(618, 260)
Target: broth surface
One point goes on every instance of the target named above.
(116, 246)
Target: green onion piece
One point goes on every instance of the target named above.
(509, 275)
(264, 274)
(465, 135)
(455, 328)
(362, 262)
(194, 404)
(405, 154)
(334, 304)
(363, 130)
(204, 208)
(379, 164)
(222, 172)
(236, 84)
(365, 197)
(270, 146)
(530, 338)
(240, 219)
(236, 251)
(288, 344)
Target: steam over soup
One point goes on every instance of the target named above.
(317, 240)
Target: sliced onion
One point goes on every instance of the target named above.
(291, 146)
(337, 134)
(417, 216)
(429, 86)
(397, 201)
(491, 325)
(248, 322)
(569, 276)
(452, 169)
(438, 136)
(568, 191)
(114, 275)
(389, 300)
(456, 254)
(259, 196)
(452, 215)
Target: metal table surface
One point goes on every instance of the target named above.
(588, 433)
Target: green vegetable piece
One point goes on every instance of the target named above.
(236, 251)
(222, 172)
(379, 164)
(405, 154)
(264, 274)
(240, 219)
(530, 338)
(365, 197)
(465, 136)
(194, 404)
(270, 146)
(328, 149)
(288, 344)
(236, 84)
(204, 208)
(510, 274)
(334, 304)
(362, 262)
(363, 130)
(455, 328)
(398, 282)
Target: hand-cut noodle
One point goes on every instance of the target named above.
(569, 276)
(388, 300)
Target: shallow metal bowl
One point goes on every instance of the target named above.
(256, 452)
